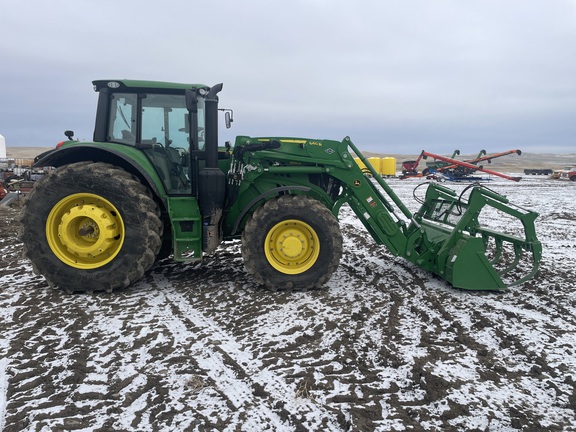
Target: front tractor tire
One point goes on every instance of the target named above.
(292, 243)
(90, 226)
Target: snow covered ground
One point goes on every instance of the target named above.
(384, 346)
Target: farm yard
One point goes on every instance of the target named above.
(384, 346)
(288, 217)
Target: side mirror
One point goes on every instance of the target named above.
(69, 134)
(228, 116)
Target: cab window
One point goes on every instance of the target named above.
(164, 120)
(122, 124)
(164, 132)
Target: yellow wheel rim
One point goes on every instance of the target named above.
(292, 246)
(85, 231)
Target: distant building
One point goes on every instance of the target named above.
(2, 147)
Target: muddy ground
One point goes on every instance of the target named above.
(384, 346)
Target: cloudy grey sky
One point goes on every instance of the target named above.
(397, 76)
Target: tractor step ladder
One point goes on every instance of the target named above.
(186, 229)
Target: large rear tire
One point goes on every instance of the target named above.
(90, 226)
(292, 243)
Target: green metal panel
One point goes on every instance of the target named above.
(467, 266)
(130, 154)
(186, 228)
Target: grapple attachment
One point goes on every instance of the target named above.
(469, 252)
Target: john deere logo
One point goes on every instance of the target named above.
(357, 183)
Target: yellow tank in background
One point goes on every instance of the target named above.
(375, 162)
(388, 166)
(385, 166)
(360, 163)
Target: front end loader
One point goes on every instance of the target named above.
(447, 236)
(154, 183)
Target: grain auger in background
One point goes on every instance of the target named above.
(155, 182)
(453, 169)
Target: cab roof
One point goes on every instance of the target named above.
(125, 84)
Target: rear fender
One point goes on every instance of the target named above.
(127, 158)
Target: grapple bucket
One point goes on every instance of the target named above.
(468, 250)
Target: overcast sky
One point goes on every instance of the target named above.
(396, 76)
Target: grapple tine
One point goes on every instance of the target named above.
(517, 256)
(497, 245)
(527, 277)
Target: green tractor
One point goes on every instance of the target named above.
(155, 183)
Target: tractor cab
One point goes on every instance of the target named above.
(159, 119)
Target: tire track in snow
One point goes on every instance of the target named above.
(498, 342)
(477, 329)
(266, 397)
(90, 337)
